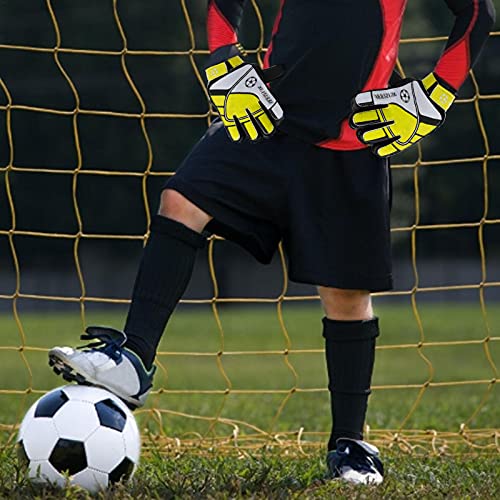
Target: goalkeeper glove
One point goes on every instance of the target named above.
(243, 101)
(391, 120)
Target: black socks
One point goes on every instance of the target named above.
(164, 273)
(350, 354)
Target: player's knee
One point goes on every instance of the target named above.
(346, 305)
(177, 207)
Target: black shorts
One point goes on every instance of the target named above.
(330, 208)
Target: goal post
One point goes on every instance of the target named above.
(246, 394)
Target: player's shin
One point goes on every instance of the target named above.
(350, 354)
(164, 273)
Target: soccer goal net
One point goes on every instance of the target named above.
(99, 102)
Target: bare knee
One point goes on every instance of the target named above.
(346, 305)
(177, 207)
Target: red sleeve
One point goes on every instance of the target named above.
(473, 22)
(223, 21)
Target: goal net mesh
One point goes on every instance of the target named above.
(166, 421)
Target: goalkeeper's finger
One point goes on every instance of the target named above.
(364, 99)
(276, 112)
(364, 118)
(232, 130)
(389, 149)
(250, 128)
(265, 123)
(373, 135)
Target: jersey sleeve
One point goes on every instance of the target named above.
(223, 21)
(473, 22)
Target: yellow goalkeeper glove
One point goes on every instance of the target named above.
(391, 120)
(244, 102)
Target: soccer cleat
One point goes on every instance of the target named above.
(355, 461)
(105, 363)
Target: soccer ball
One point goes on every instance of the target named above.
(84, 434)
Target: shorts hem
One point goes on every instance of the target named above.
(373, 284)
(225, 223)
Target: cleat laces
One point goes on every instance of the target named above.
(104, 340)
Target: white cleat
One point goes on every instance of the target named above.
(105, 363)
(356, 461)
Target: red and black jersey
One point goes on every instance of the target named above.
(333, 49)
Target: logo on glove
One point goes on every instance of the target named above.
(443, 99)
(250, 82)
(405, 96)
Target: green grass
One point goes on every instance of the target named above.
(257, 329)
(275, 476)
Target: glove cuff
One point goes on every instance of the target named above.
(437, 90)
(217, 62)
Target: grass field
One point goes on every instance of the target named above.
(271, 473)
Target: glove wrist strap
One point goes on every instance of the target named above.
(219, 57)
(438, 92)
(223, 68)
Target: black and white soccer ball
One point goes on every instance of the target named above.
(82, 433)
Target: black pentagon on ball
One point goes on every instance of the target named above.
(111, 415)
(22, 456)
(122, 471)
(50, 404)
(68, 456)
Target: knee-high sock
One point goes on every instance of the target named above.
(164, 273)
(350, 355)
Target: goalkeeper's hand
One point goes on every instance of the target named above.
(391, 120)
(244, 102)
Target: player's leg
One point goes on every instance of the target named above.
(164, 272)
(123, 361)
(339, 238)
(350, 331)
(342, 304)
(234, 183)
